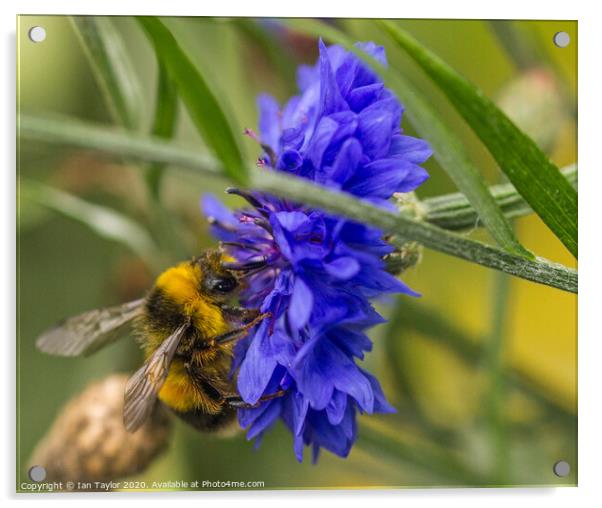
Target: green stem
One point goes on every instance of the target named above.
(115, 142)
(400, 369)
(454, 212)
(155, 150)
(495, 395)
(538, 270)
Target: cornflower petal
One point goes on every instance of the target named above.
(301, 305)
(410, 149)
(269, 124)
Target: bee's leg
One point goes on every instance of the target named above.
(240, 314)
(237, 402)
(239, 333)
(248, 265)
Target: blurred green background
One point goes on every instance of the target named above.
(461, 417)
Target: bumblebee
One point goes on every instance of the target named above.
(187, 329)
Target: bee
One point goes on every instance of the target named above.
(187, 328)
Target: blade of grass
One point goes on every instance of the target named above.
(535, 177)
(303, 191)
(447, 147)
(200, 100)
(112, 68)
(164, 125)
(105, 222)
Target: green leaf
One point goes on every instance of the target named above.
(535, 177)
(203, 106)
(300, 190)
(105, 222)
(164, 124)
(447, 147)
(112, 67)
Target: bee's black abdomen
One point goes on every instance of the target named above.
(205, 422)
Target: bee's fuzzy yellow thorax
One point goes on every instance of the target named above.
(181, 282)
(182, 285)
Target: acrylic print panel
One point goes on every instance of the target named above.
(384, 296)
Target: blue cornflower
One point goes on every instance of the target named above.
(315, 273)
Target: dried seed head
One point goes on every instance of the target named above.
(88, 441)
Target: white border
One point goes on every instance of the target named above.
(590, 337)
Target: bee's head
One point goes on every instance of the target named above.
(217, 282)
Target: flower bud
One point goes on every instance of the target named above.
(409, 254)
(534, 103)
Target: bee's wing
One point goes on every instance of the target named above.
(89, 331)
(144, 385)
